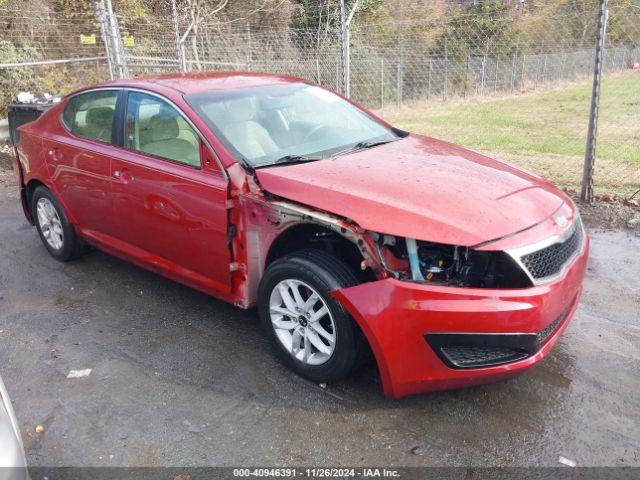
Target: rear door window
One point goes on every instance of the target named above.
(91, 114)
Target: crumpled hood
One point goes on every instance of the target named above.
(422, 188)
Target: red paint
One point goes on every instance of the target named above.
(396, 315)
(176, 220)
(406, 188)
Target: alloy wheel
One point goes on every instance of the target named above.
(50, 224)
(302, 321)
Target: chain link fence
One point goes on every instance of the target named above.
(514, 83)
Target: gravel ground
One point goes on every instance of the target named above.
(179, 378)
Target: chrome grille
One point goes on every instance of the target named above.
(549, 261)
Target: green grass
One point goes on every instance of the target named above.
(544, 131)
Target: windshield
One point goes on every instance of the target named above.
(297, 121)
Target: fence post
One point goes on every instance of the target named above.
(586, 194)
(116, 41)
(399, 85)
(446, 68)
(466, 75)
(484, 73)
(343, 49)
(249, 48)
(513, 68)
(176, 31)
(345, 40)
(102, 20)
(429, 82)
(382, 82)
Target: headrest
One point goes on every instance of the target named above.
(240, 109)
(99, 116)
(163, 127)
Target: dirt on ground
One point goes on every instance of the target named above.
(613, 214)
(180, 379)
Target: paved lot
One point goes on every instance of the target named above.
(182, 379)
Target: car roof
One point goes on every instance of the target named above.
(200, 81)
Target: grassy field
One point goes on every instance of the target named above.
(544, 131)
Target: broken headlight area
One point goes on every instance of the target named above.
(439, 264)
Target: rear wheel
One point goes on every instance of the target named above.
(309, 330)
(56, 233)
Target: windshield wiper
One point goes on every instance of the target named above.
(363, 145)
(293, 159)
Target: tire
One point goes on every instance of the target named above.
(70, 246)
(311, 271)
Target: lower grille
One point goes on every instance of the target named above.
(477, 350)
(477, 356)
(546, 332)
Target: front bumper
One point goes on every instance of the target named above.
(401, 319)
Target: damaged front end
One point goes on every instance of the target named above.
(263, 220)
(268, 228)
(436, 316)
(451, 265)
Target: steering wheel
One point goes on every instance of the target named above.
(313, 132)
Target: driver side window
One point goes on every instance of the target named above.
(156, 128)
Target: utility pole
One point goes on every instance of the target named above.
(586, 194)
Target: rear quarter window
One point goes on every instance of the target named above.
(90, 115)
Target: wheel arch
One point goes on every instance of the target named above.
(304, 235)
(30, 188)
(27, 192)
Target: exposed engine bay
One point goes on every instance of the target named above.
(459, 266)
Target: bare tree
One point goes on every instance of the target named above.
(199, 11)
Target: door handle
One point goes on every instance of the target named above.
(54, 155)
(123, 175)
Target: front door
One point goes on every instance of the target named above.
(172, 214)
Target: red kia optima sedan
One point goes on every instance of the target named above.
(348, 234)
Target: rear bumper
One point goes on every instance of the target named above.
(407, 324)
(17, 171)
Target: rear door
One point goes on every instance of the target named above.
(172, 213)
(79, 154)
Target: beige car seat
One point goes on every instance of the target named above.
(99, 124)
(250, 138)
(161, 138)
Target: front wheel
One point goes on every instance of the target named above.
(309, 330)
